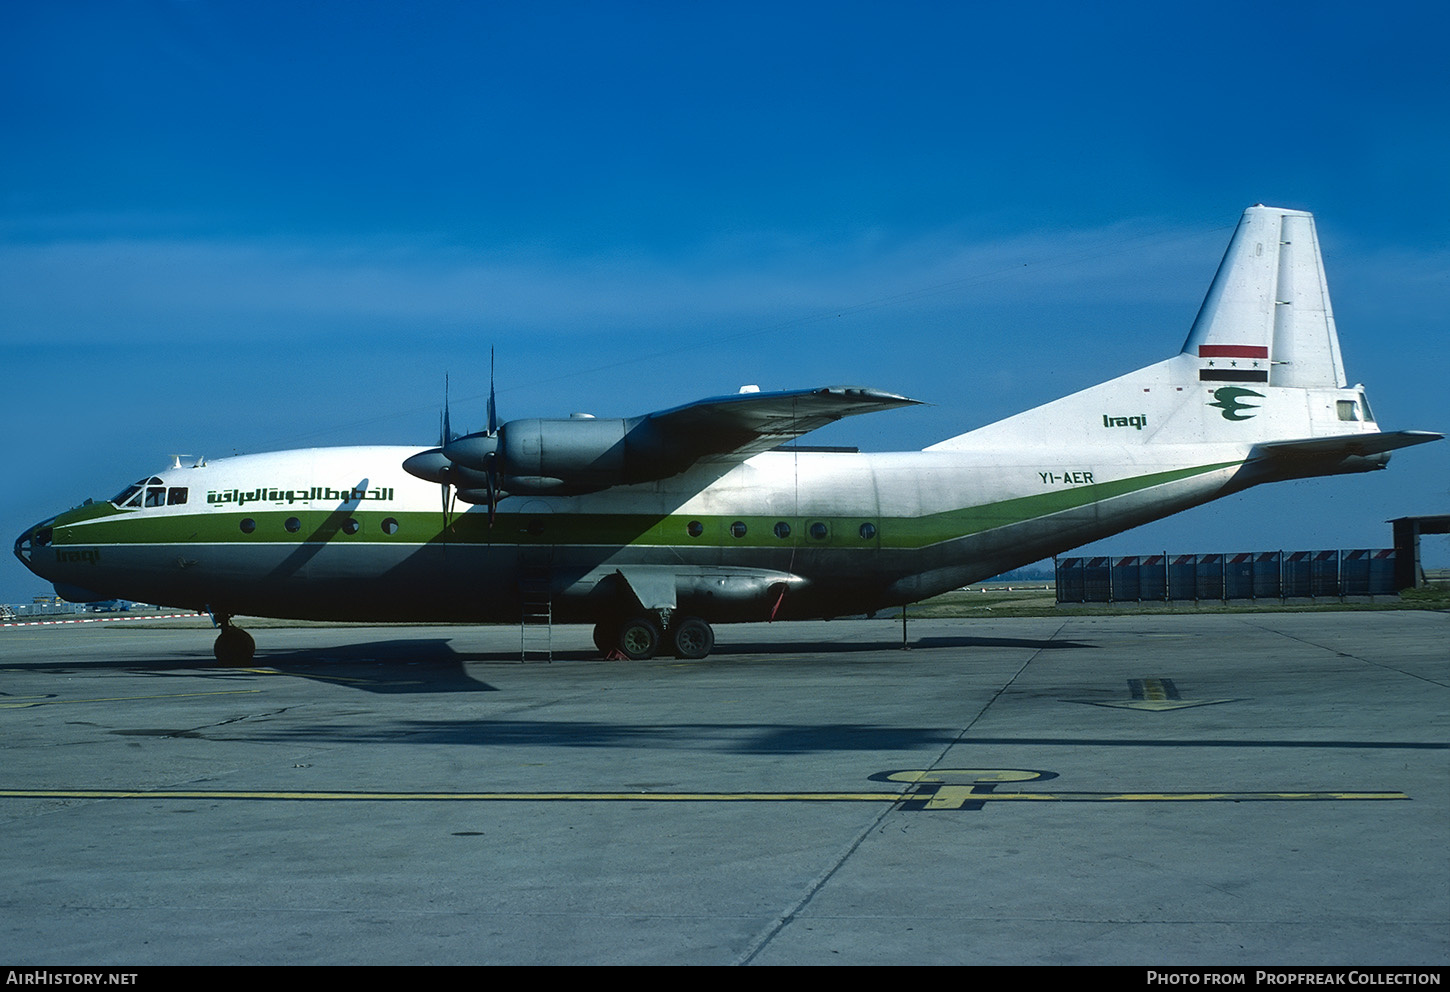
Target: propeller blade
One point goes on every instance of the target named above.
(492, 492)
(492, 405)
(447, 425)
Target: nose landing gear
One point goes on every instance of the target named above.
(234, 646)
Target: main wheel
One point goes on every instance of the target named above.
(234, 646)
(691, 637)
(639, 638)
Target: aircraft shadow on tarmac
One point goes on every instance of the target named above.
(433, 665)
(736, 738)
(399, 666)
(768, 648)
(732, 738)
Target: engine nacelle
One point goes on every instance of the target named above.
(562, 457)
(559, 457)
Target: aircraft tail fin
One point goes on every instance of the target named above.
(1261, 362)
(1267, 317)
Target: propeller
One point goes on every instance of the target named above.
(478, 468)
(492, 470)
(445, 435)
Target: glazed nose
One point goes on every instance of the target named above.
(36, 537)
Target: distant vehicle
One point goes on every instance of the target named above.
(110, 606)
(655, 527)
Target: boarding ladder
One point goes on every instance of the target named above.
(536, 622)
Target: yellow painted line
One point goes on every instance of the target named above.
(947, 797)
(455, 796)
(1192, 797)
(41, 701)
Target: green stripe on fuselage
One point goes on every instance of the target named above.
(950, 524)
(88, 527)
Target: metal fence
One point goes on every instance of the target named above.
(1247, 575)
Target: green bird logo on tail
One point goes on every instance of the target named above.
(1230, 401)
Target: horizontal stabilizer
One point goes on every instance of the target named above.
(1278, 460)
(1352, 444)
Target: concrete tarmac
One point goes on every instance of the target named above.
(1161, 790)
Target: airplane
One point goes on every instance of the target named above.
(654, 528)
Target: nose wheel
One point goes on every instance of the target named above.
(234, 646)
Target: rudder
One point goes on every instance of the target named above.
(1267, 317)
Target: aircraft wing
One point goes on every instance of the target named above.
(747, 423)
(587, 455)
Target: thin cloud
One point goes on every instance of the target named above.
(161, 289)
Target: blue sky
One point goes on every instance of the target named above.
(239, 226)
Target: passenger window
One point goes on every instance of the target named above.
(819, 531)
(738, 528)
(782, 530)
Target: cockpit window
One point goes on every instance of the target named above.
(147, 492)
(131, 495)
(176, 496)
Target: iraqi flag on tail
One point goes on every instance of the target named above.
(1233, 363)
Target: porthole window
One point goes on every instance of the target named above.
(737, 529)
(782, 530)
(694, 528)
(351, 526)
(292, 524)
(868, 531)
(819, 531)
(390, 525)
(247, 525)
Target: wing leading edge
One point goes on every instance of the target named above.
(749, 423)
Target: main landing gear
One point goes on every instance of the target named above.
(643, 636)
(234, 646)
